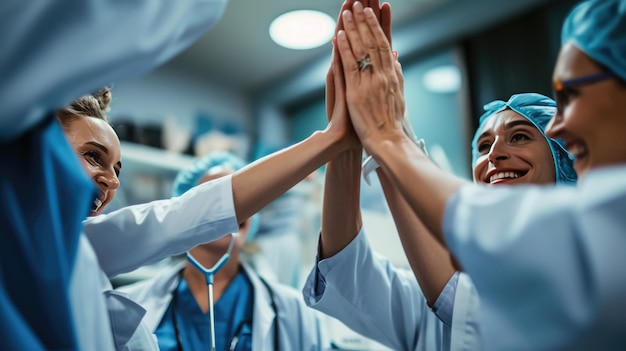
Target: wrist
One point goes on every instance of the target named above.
(370, 164)
(379, 146)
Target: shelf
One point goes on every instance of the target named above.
(145, 158)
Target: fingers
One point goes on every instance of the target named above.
(339, 90)
(385, 20)
(374, 5)
(347, 5)
(338, 76)
(348, 62)
(399, 103)
(330, 88)
(398, 69)
(358, 50)
(365, 37)
(377, 37)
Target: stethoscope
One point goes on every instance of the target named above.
(209, 274)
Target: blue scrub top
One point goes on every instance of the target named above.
(44, 196)
(233, 311)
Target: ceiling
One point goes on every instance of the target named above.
(238, 52)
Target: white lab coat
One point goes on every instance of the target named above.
(365, 292)
(299, 326)
(133, 236)
(547, 261)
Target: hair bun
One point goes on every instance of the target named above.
(104, 98)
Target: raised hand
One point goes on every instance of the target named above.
(373, 82)
(336, 108)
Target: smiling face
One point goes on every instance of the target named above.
(592, 117)
(512, 151)
(98, 149)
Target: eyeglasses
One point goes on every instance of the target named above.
(561, 93)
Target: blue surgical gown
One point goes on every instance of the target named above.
(43, 202)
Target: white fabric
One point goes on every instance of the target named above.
(365, 292)
(89, 307)
(465, 330)
(299, 326)
(55, 51)
(547, 261)
(136, 235)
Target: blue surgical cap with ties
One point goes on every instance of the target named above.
(598, 28)
(538, 110)
(190, 177)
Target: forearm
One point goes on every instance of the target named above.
(424, 186)
(259, 183)
(341, 215)
(430, 261)
(137, 235)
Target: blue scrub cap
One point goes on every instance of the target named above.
(538, 109)
(598, 28)
(190, 177)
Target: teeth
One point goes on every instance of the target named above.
(97, 203)
(502, 175)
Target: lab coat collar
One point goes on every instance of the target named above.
(263, 315)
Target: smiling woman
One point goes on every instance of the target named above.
(95, 142)
(510, 145)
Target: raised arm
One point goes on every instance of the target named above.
(54, 52)
(264, 180)
(341, 214)
(376, 106)
(430, 261)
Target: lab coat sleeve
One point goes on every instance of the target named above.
(300, 327)
(545, 261)
(55, 51)
(365, 292)
(465, 327)
(142, 234)
(444, 305)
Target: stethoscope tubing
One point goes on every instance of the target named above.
(209, 274)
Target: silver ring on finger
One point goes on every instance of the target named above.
(364, 63)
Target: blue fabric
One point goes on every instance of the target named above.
(598, 28)
(45, 196)
(190, 177)
(165, 332)
(233, 309)
(538, 109)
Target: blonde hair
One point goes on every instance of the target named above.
(94, 105)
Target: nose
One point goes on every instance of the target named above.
(553, 129)
(498, 151)
(108, 180)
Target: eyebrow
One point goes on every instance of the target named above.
(104, 149)
(511, 125)
(519, 122)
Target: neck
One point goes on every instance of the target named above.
(221, 280)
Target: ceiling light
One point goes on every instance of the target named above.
(443, 79)
(302, 29)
